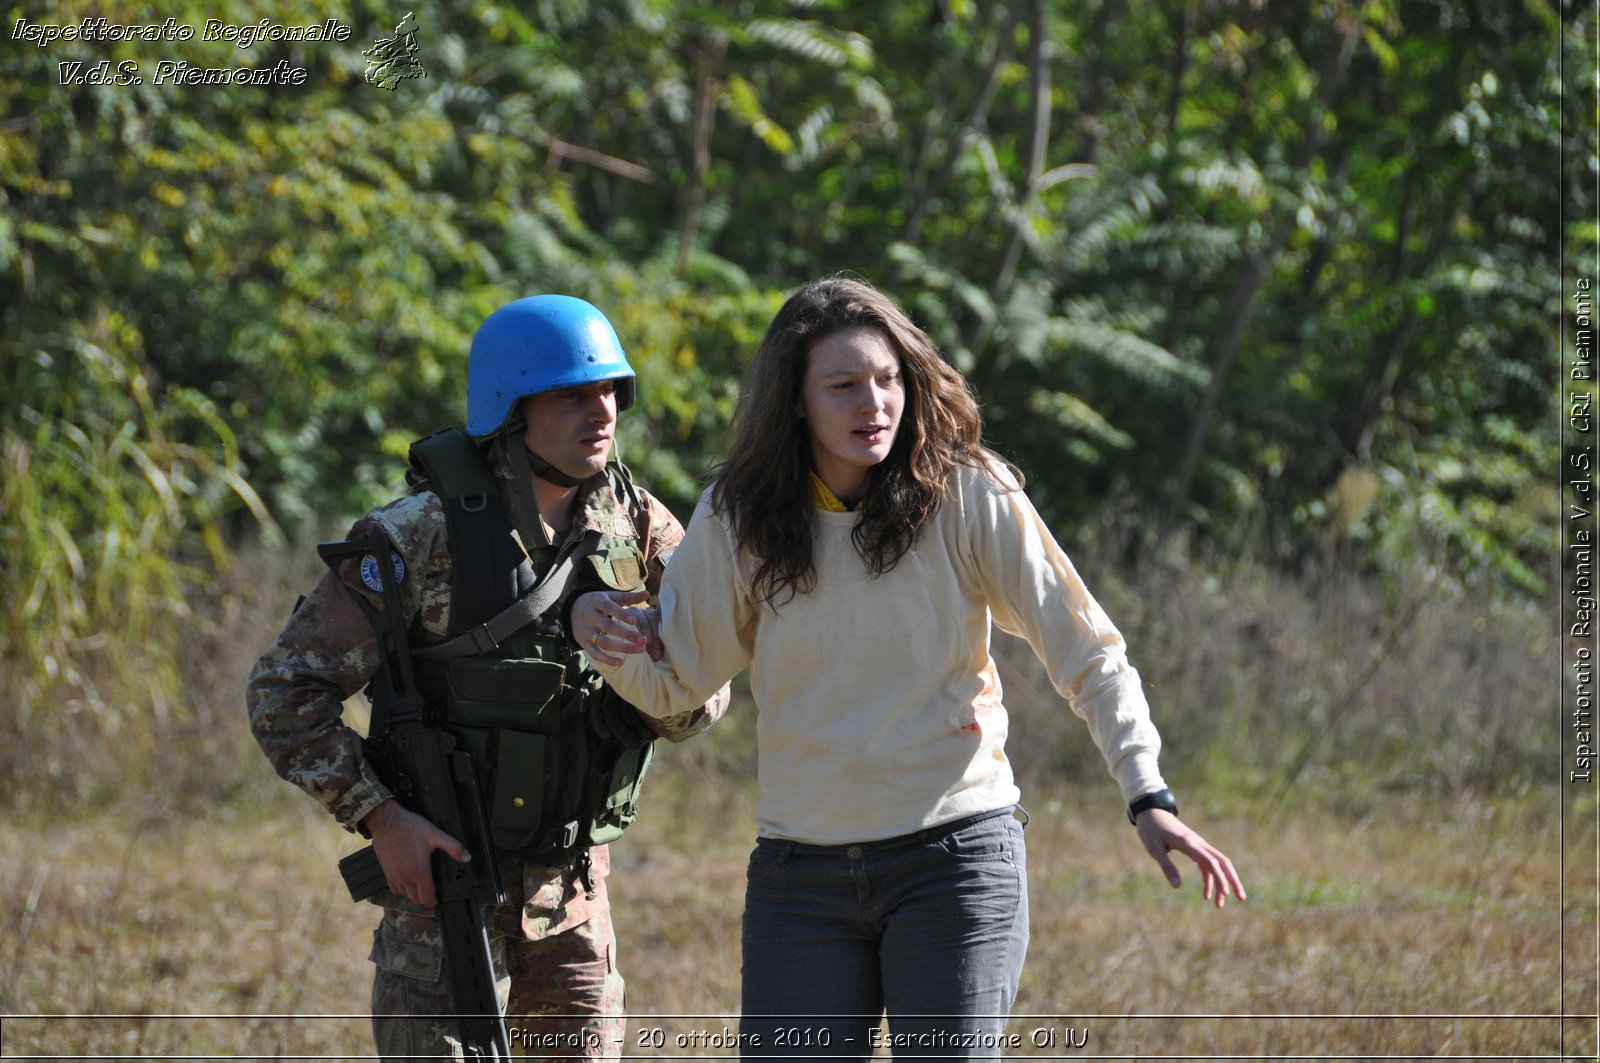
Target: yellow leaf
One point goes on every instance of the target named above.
(172, 197)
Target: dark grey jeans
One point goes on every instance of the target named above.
(930, 927)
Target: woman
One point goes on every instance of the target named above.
(852, 554)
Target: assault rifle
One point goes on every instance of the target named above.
(421, 762)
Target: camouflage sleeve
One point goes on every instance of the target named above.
(661, 533)
(328, 651)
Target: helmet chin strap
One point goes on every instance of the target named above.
(545, 471)
(514, 428)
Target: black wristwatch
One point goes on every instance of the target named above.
(1162, 799)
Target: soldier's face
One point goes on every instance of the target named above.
(572, 428)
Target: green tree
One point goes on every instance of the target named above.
(1272, 278)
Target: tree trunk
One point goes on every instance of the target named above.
(1221, 349)
(1383, 370)
(1092, 100)
(1038, 143)
(929, 191)
(1180, 68)
(707, 61)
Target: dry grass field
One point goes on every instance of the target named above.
(1381, 762)
(228, 936)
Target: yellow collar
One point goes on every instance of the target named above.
(823, 498)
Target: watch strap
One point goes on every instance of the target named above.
(1162, 799)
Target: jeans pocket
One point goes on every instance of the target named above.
(985, 840)
(767, 859)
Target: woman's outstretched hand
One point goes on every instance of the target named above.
(1163, 833)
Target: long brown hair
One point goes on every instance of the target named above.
(764, 488)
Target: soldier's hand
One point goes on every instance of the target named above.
(607, 624)
(405, 842)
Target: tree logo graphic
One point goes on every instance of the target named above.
(392, 60)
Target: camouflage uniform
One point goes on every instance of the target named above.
(552, 942)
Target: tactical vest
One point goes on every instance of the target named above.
(524, 705)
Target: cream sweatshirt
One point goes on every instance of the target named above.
(880, 709)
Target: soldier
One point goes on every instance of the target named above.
(526, 492)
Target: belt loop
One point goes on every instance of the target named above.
(1022, 814)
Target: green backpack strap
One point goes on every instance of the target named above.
(514, 617)
(452, 466)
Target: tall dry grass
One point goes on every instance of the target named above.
(1380, 762)
(1394, 939)
(107, 518)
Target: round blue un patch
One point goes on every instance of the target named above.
(373, 577)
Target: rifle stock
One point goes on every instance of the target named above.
(429, 775)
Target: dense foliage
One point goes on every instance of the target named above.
(1277, 278)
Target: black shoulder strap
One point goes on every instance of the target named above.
(518, 614)
(453, 466)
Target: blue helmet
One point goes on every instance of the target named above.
(540, 344)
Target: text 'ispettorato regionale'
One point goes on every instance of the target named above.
(170, 71)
